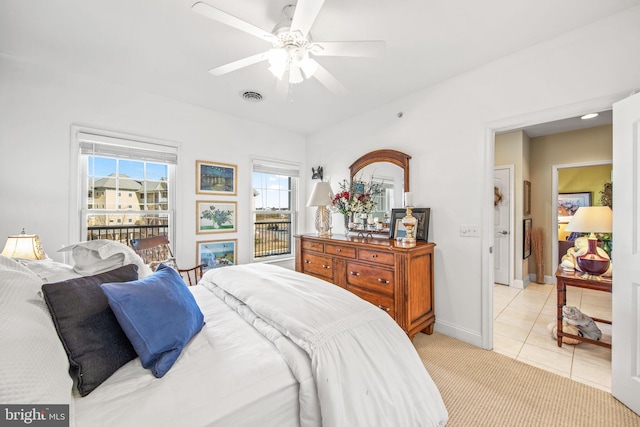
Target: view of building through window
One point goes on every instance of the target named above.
(126, 198)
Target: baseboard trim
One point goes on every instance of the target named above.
(453, 331)
(548, 280)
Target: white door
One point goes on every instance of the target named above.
(625, 351)
(502, 224)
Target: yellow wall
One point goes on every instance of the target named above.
(581, 146)
(583, 179)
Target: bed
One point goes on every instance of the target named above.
(275, 348)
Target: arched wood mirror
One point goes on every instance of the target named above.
(389, 167)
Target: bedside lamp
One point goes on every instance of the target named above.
(592, 219)
(24, 246)
(322, 196)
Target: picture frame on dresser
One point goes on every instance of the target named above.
(397, 229)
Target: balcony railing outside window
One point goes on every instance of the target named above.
(124, 234)
(272, 238)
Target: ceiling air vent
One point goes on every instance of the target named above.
(251, 96)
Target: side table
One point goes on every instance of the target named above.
(574, 278)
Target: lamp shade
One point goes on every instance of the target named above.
(24, 246)
(322, 195)
(591, 219)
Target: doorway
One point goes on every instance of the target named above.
(534, 307)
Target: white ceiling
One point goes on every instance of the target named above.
(163, 47)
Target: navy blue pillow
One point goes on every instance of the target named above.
(92, 337)
(158, 314)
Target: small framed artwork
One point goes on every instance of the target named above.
(526, 198)
(215, 216)
(216, 253)
(397, 230)
(526, 241)
(568, 204)
(216, 178)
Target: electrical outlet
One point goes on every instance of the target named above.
(469, 230)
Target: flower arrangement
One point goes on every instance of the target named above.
(359, 198)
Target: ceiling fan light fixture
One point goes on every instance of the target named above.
(278, 61)
(308, 66)
(295, 75)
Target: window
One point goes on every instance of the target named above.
(123, 171)
(275, 208)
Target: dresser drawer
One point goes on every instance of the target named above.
(318, 265)
(345, 251)
(378, 257)
(383, 302)
(370, 277)
(312, 246)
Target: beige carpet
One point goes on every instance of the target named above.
(482, 388)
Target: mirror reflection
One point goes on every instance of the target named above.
(387, 171)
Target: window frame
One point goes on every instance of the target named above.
(78, 208)
(271, 166)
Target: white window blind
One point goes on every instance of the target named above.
(100, 145)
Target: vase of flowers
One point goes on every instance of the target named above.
(357, 198)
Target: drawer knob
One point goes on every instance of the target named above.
(338, 250)
(373, 255)
(326, 266)
(386, 282)
(306, 261)
(354, 273)
(387, 309)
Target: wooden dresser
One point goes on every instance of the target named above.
(396, 278)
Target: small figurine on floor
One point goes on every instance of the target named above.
(586, 326)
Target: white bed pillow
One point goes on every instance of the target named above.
(50, 271)
(33, 364)
(98, 256)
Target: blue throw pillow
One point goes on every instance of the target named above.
(159, 315)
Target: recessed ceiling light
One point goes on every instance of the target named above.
(589, 116)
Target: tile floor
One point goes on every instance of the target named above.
(520, 331)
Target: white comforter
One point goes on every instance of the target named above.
(355, 366)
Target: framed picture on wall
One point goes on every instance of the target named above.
(397, 230)
(215, 216)
(568, 204)
(526, 198)
(216, 178)
(216, 253)
(526, 238)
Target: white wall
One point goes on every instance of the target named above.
(37, 108)
(444, 128)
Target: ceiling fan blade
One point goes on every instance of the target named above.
(241, 63)
(230, 20)
(305, 14)
(329, 81)
(364, 49)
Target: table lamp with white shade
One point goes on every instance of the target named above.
(24, 246)
(592, 219)
(322, 196)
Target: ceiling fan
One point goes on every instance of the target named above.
(291, 57)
